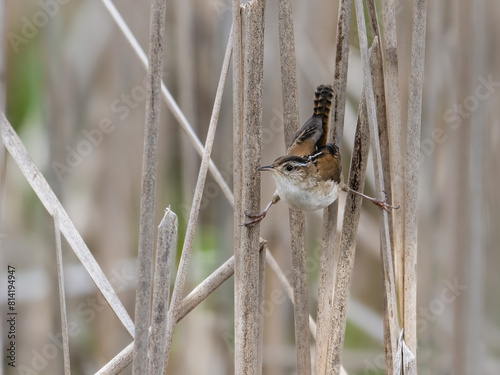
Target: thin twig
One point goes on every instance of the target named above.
(297, 219)
(62, 296)
(347, 246)
(412, 164)
(169, 100)
(330, 214)
(148, 191)
(40, 186)
(247, 261)
(195, 208)
(165, 248)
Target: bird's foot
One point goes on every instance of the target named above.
(383, 204)
(255, 218)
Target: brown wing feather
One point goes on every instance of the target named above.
(304, 141)
(313, 134)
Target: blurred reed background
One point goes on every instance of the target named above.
(71, 72)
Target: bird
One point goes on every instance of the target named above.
(309, 177)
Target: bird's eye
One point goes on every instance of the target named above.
(289, 168)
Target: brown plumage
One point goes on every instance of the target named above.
(309, 176)
(313, 134)
(328, 163)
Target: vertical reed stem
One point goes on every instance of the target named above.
(412, 165)
(247, 257)
(148, 191)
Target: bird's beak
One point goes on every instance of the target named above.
(265, 168)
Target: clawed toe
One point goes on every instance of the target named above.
(259, 215)
(256, 218)
(384, 205)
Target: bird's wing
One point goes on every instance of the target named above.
(304, 142)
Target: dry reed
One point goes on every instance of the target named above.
(412, 165)
(297, 219)
(148, 188)
(62, 297)
(335, 135)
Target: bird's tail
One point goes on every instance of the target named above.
(322, 104)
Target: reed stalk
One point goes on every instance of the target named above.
(148, 188)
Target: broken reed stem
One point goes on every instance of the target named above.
(169, 100)
(393, 110)
(195, 208)
(35, 178)
(347, 243)
(62, 296)
(165, 248)
(371, 8)
(330, 214)
(198, 295)
(248, 340)
(297, 219)
(412, 164)
(148, 190)
(391, 325)
(193, 299)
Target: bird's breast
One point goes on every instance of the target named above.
(308, 197)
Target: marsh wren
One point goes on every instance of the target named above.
(310, 177)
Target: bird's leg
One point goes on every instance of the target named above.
(258, 218)
(381, 203)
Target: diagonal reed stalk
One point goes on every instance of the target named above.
(327, 266)
(198, 295)
(169, 100)
(195, 208)
(148, 189)
(297, 219)
(35, 178)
